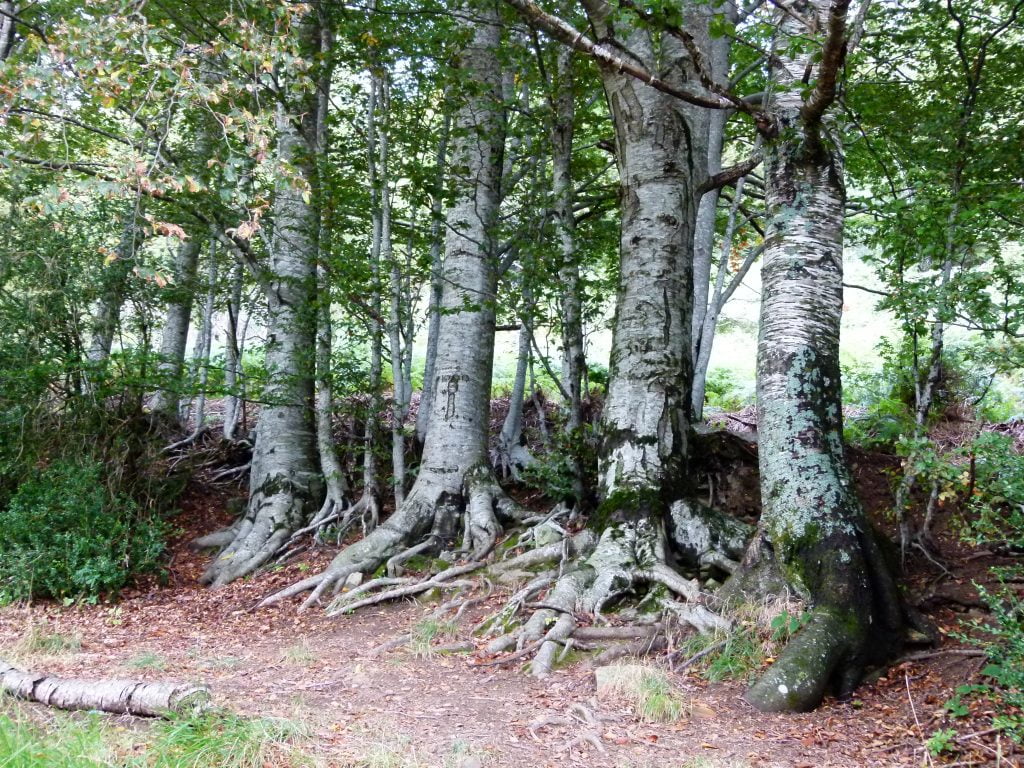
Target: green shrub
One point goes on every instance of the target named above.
(552, 475)
(991, 474)
(722, 390)
(65, 535)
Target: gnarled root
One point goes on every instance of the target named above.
(858, 620)
(426, 523)
(411, 521)
(275, 510)
(706, 539)
(626, 555)
(401, 587)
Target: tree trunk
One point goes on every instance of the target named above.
(107, 314)
(7, 30)
(123, 697)
(713, 309)
(285, 483)
(574, 361)
(513, 456)
(812, 524)
(451, 478)
(175, 333)
(436, 284)
(704, 230)
(205, 342)
(234, 401)
(661, 151)
(661, 154)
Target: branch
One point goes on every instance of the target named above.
(857, 31)
(731, 174)
(706, 78)
(564, 32)
(832, 56)
(28, 25)
(238, 248)
(864, 288)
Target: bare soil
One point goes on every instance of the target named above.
(319, 671)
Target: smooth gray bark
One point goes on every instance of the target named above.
(661, 151)
(234, 401)
(453, 477)
(174, 338)
(7, 30)
(285, 483)
(512, 456)
(106, 316)
(704, 229)
(812, 524)
(436, 284)
(715, 303)
(204, 342)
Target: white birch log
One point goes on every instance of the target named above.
(124, 697)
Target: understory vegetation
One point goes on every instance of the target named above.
(90, 741)
(535, 312)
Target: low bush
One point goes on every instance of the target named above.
(67, 535)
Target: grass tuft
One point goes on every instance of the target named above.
(39, 639)
(300, 654)
(213, 738)
(426, 632)
(646, 689)
(148, 660)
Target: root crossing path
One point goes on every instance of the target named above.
(415, 700)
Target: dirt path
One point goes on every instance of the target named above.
(446, 709)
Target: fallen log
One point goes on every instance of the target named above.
(125, 697)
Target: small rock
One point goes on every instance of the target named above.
(547, 533)
(353, 580)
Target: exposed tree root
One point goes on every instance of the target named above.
(217, 539)
(427, 522)
(585, 723)
(231, 473)
(276, 509)
(626, 556)
(401, 587)
(705, 538)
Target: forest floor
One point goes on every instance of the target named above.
(414, 708)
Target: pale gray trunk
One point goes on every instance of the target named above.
(175, 332)
(713, 309)
(124, 697)
(234, 401)
(573, 359)
(453, 476)
(436, 284)
(7, 30)
(330, 463)
(811, 520)
(204, 342)
(371, 425)
(285, 482)
(107, 315)
(661, 151)
(180, 299)
(400, 397)
(704, 231)
(512, 456)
